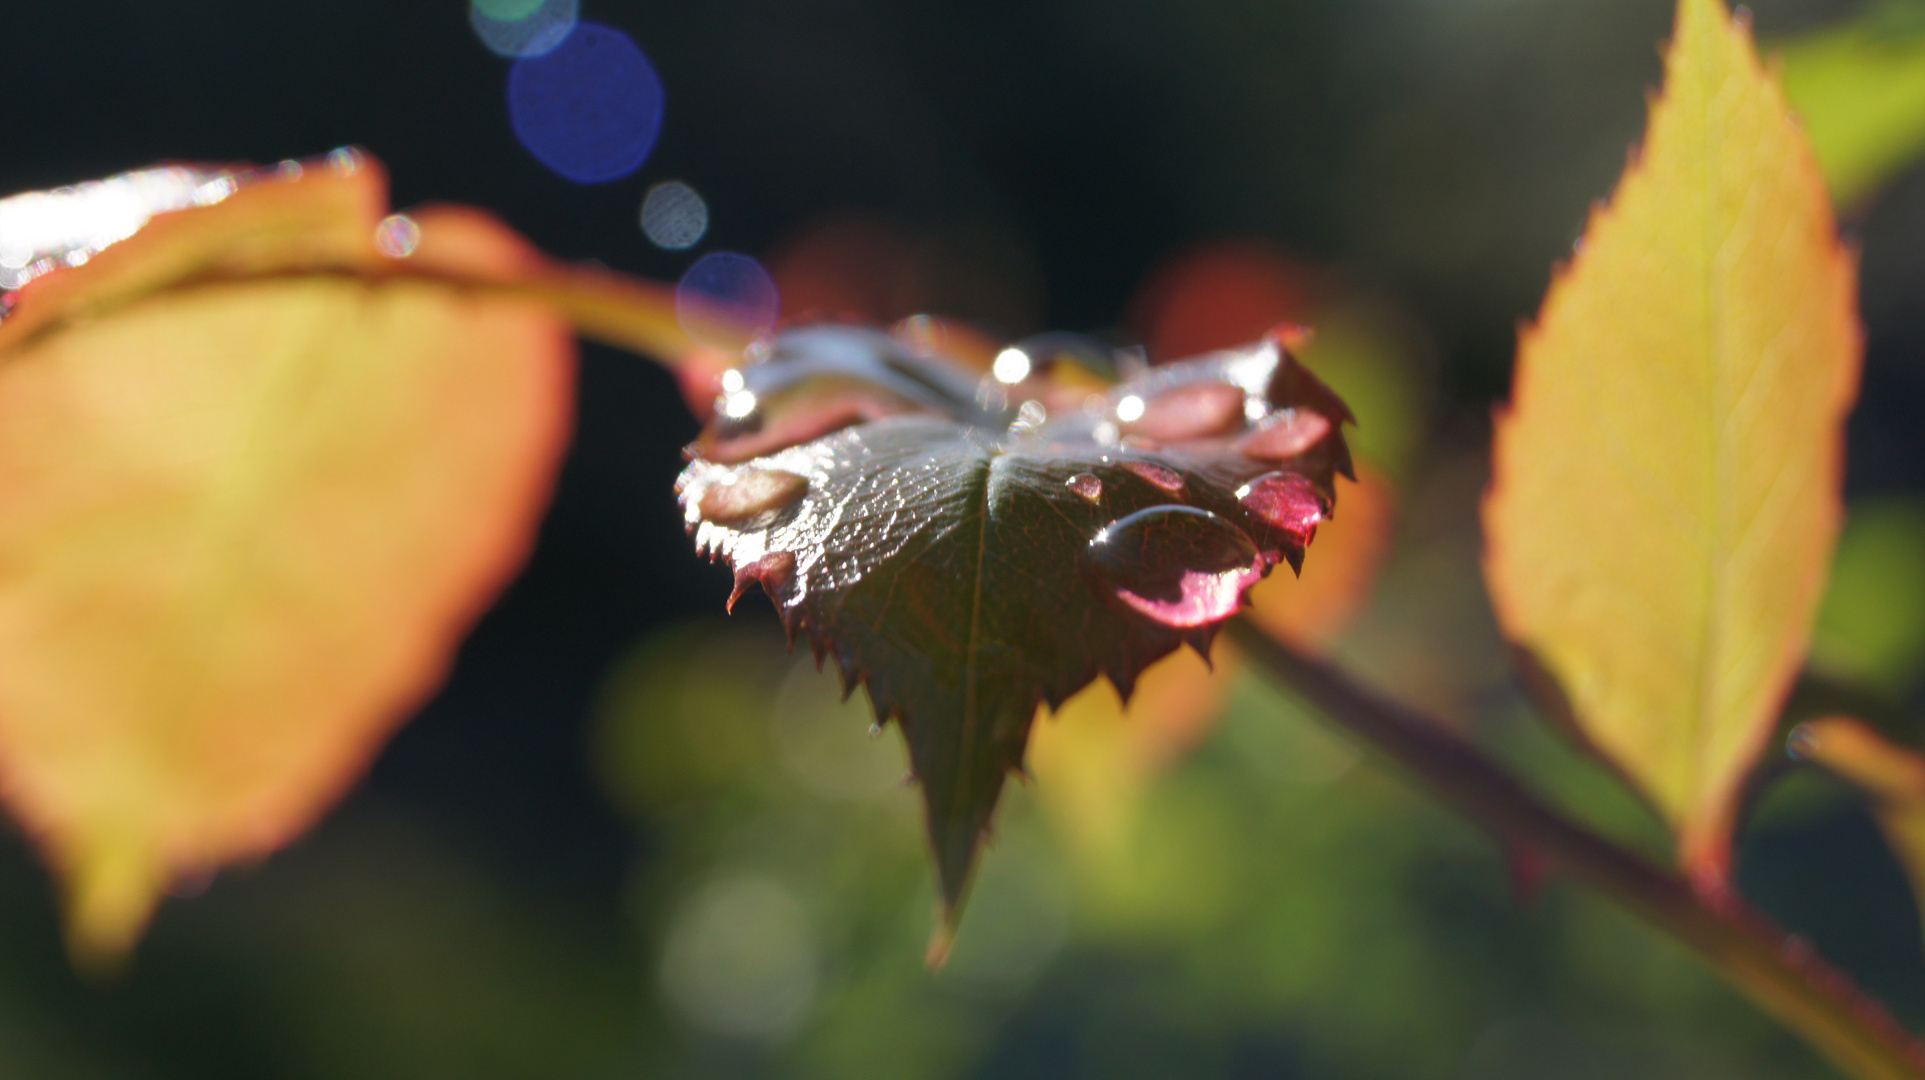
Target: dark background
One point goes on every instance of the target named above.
(1439, 153)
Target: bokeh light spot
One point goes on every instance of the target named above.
(674, 216)
(507, 10)
(515, 28)
(741, 959)
(1012, 366)
(591, 109)
(397, 236)
(723, 295)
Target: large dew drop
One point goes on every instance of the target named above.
(741, 497)
(1287, 502)
(1178, 565)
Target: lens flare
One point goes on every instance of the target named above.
(590, 109)
(674, 216)
(723, 295)
(513, 28)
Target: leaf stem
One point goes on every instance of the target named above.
(1778, 970)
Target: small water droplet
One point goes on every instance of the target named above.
(1802, 743)
(1088, 485)
(397, 236)
(875, 731)
(1167, 479)
(1181, 566)
(1284, 435)
(740, 497)
(1287, 502)
(344, 160)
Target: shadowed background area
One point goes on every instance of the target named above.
(632, 839)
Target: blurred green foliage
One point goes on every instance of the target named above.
(1871, 629)
(1859, 86)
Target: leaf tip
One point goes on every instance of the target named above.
(936, 957)
(111, 894)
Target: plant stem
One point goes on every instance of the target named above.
(1778, 970)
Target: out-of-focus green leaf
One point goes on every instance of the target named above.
(1871, 628)
(1860, 89)
(966, 558)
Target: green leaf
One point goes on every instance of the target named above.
(1859, 87)
(966, 559)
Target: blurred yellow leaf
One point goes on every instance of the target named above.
(246, 514)
(1892, 774)
(1666, 488)
(1310, 610)
(1860, 89)
(1094, 758)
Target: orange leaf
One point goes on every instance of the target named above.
(1095, 758)
(1666, 491)
(245, 518)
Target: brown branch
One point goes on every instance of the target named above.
(1779, 971)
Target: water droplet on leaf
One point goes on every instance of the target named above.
(1284, 435)
(1088, 485)
(1194, 411)
(743, 496)
(1181, 566)
(1288, 502)
(1167, 479)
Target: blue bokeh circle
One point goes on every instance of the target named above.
(591, 108)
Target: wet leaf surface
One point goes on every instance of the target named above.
(968, 549)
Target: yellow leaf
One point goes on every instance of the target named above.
(1666, 478)
(245, 518)
(1095, 758)
(1893, 775)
